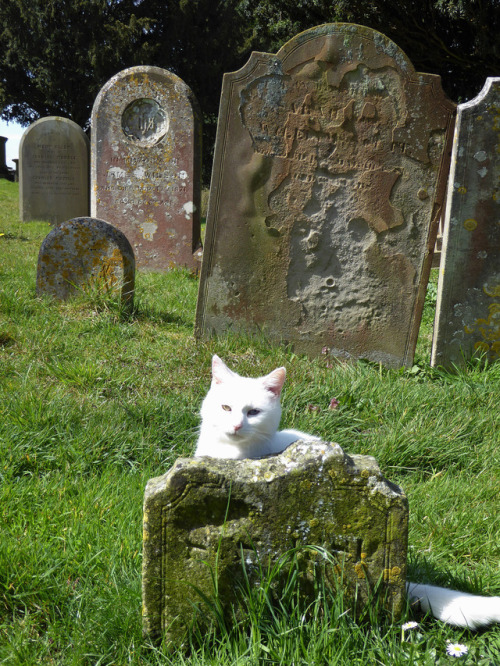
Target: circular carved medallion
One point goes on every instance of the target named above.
(144, 122)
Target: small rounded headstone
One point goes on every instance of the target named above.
(53, 171)
(86, 252)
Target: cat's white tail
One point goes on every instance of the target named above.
(458, 608)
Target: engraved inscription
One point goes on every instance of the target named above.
(145, 122)
(56, 169)
(145, 139)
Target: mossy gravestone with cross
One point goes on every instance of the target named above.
(212, 522)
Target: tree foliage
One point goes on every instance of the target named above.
(57, 54)
(457, 39)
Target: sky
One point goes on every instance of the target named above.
(13, 132)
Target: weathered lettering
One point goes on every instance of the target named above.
(54, 171)
(146, 165)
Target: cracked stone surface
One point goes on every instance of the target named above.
(328, 181)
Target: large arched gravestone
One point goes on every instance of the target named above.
(145, 174)
(54, 171)
(328, 182)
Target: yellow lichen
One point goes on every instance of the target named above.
(392, 575)
(470, 224)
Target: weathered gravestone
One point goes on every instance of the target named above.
(86, 254)
(468, 305)
(4, 171)
(328, 180)
(146, 152)
(206, 515)
(54, 171)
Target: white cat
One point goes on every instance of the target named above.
(240, 417)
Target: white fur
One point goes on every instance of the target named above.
(458, 608)
(229, 426)
(236, 432)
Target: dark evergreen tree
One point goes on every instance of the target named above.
(57, 54)
(457, 39)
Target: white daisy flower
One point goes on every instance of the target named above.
(456, 649)
(409, 625)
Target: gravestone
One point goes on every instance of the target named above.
(54, 171)
(206, 515)
(86, 254)
(146, 152)
(468, 304)
(329, 171)
(4, 171)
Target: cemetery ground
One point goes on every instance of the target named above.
(95, 400)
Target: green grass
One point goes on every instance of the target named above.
(94, 401)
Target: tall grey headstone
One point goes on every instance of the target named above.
(86, 253)
(146, 163)
(207, 518)
(53, 171)
(468, 304)
(328, 180)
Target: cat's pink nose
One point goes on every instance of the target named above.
(238, 427)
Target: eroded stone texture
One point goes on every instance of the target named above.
(205, 514)
(468, 306)
(325, 196)
(146, 152)
(85, 253)
(54, 171)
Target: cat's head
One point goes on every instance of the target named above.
(242, 410)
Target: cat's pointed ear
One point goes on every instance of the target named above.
(274, 381)
(220, 371)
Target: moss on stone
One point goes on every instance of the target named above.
(206, 516)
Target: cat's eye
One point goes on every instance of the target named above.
(226, 408)
(253, 412)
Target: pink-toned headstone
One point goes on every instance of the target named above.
(328, 181)
(145, 174)
(468, 306)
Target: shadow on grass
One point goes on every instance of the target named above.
(143, 314)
